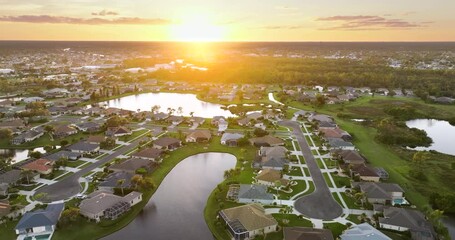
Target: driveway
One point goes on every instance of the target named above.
(320, 204)
(70, 186)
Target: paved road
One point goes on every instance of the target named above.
(70, 186)
(320, 204)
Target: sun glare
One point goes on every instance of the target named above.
(197, 29)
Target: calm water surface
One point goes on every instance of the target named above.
(188, 102)
(176, 210)
(19, 155)
(442, 133)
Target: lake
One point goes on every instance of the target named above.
(176, 209)
(188, 102)
(18, 155)
(442, 133)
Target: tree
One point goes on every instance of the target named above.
(64, 142)
(120, 183)
(136, 180)
(69, 215)
(419, 158)
(6, 134)
(35, 154)
(26, 173)
(156, 109)
(5, 163)
(180, 110)
(48, 148)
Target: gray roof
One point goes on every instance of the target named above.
(84, 146)
(363, 231)
(306, 233)
(111, 180)
(99, 202)
(166, 141)
(337, 142)
(253, 191)
(149, 153)
(379, 190)
(46, 217)
(131, 165)
(231, 136)
(10, 177)
(62, 154)
(408, 218)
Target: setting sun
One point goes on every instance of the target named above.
(197, 29)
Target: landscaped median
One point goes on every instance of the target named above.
(83, 229)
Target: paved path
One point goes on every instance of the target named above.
(319, 204)
(70, 185)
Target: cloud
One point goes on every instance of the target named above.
(88, 21)
(273, 27)
(286, 8)
(366, 22)
(105, 13)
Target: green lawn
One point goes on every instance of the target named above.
(335, 228)
(134, 135)
(92, 230)
(75, 164)
(295, 172)
(296, 189)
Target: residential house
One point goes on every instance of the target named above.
(199, 136)
(167, 143)
(175, 120)
(64, 131)
(5, 208)
(269, 176)
(28, 136)
(151, 154)
(254, 193)
(84, 148)
(96, 139)
(271, 158)
(349, 156)
(231, 139)
(118, 131)
(64, 154)
(306, 233)
(41, 166)
(216, 120)
(320, 118)
(39, 222)
(248, 221)
(112, 181)
(327, 125)
(160, 116)
(4, 189)
(403, 219)
(338, 143)
(363, 231)
(103, 204)
(335, 133)
(33, 99)
(365, 173)
(15, 125)
(13, 176)
(132, 165)
(266, 141)
(90, 127)
(382, 193)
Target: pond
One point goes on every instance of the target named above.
(442, 133)
(19, 155)
(188, 102)
(176, 210)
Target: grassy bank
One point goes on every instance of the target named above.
(84, 229)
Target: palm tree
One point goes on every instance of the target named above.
(26, 173)
(156, 109)
(136, 179)
(179, 110)
(191, 114)
(277, 185)
(120, 183)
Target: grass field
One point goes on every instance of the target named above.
(395, 160)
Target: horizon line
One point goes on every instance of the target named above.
(252, 41)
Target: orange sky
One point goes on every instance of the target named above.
(216, 20)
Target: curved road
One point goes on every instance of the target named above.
(320, 204)
(70, 186)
